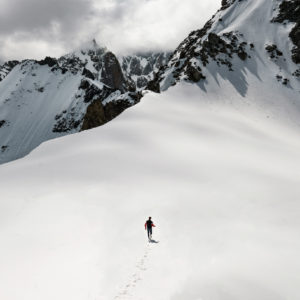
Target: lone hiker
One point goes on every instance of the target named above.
(148, 225)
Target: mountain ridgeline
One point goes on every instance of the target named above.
(42, 100)
(238, 34)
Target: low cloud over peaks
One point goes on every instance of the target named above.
(36, 28)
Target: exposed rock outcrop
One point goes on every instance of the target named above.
(290, 11)
(7, 67)
(94, 116)
(141, 67)
(51, 62)
(112, 74)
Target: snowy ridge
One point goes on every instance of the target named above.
(234, 40)
(41, 100)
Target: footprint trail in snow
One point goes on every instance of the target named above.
(127, 291)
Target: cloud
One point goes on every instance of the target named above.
(157, 24)
(41, 14)
(36, 28)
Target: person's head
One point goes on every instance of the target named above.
(149, 218)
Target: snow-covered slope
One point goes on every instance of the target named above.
(219, 178)
(40, 100)
(244, 37)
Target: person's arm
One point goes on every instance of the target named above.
(153, 225)
(145, 225)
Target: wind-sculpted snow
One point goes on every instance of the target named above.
(218, 173)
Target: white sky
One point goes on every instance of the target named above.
(36, 28)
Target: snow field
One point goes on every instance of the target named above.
(220, 181)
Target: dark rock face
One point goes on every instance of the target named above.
(4, 148)
(148, 69)
(135, 66)
(91, 92)
(141, 82)
(7, 67)
(226, 3)
(71, 63)
(94, 116)
(84, 84)
(48, 61)
(66, 124)
(153, 85)
(290, 11)
(142, 66)
(194, 74)
(135, 97)
(295, 37)
(131, 85)
(2, 122)
(112, 74)
(215, 45)
(273, 51)
(87, 73)
(297, 73)
(98, 114)
(114, 108)
(11, 64)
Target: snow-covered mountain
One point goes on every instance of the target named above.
(244, 40)
(41, 100)
(259, 37)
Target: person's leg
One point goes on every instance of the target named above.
(150, 229)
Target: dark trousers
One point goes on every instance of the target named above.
(149, 230)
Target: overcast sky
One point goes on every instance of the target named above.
(36, 28)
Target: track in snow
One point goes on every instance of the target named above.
(127, 291)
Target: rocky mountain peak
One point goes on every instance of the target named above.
(232, 40)
(112, 74)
